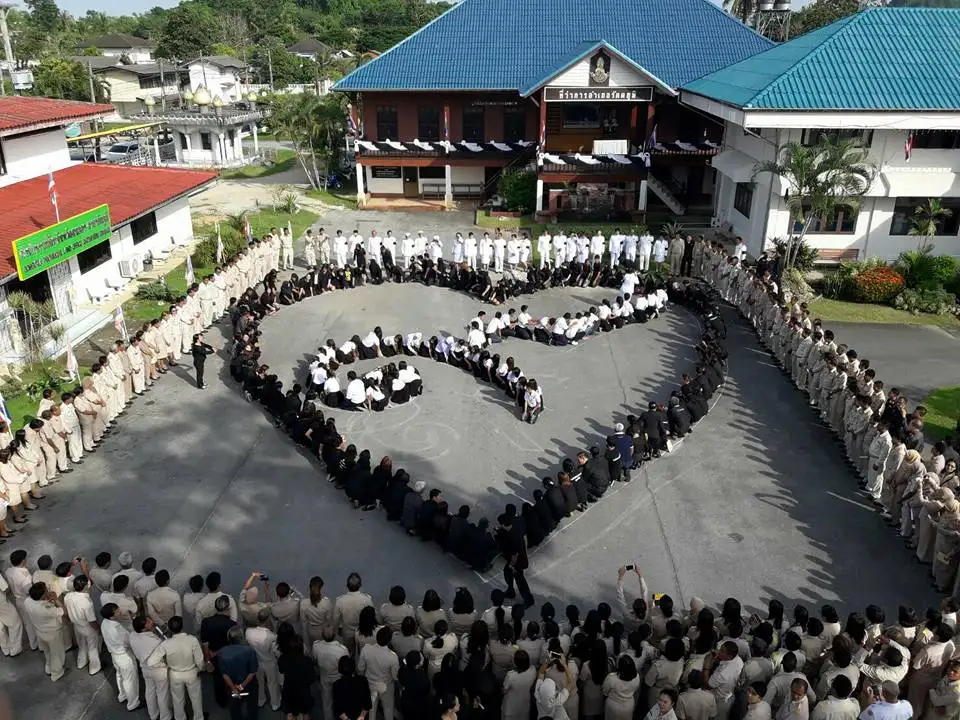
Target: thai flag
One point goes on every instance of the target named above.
(446, 123)
(4, 412)
(908, 147)
(652, 141)
(543, 137)
(188, 272)
(247, 230)
(52, 189)
(219, 246)
(73, 368)
(119, 323)
(352, 124)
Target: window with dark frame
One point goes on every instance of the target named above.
(577, 116)
(473, 124)
(904, 212)
(514, 125)
(861, 138)
(183, 141)
(144, 227)
(842, 221)
(428, 123)
(94, 257)
(743, 198)
(205, 141)
(433, 173)
(387, 124)
(3, 161)
(936, 139)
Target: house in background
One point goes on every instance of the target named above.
(223, 76)
(134, 49)
(110, 216)
(131, 85)
(311, 47)
(886, 78)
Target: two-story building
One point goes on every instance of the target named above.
(582, 93)
(223, 76)
(73, 232)
(131, 48)
(887, 78)
(131, 85)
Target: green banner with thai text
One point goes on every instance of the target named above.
(43, 249)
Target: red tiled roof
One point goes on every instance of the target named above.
(129, 191)
(24, 112)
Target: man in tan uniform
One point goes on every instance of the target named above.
(327, 653)
(163, 602)
(79, 608)
(346, 611)
(45, 611)
(144, 641)
(184, 658)
(264, 642)
(58, 434)
(11, 626)
(71, 425)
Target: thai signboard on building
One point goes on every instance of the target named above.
(598, 94)
(43, 249)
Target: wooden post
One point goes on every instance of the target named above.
(542, 138)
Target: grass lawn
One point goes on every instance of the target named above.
(284, 161)
(943, 409)
(343, 197)
(23, 406)
(840, 311)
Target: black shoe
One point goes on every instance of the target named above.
(510, 594)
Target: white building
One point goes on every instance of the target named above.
(149, 213)
(121, 45)
(131, 85)
(223, 76)
(888, 78)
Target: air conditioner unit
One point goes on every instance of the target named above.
(131, 266)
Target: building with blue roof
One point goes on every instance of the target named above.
(888, 78)
(584, 91)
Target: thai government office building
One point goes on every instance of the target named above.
(584, 93)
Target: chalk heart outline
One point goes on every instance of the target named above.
(414, 430)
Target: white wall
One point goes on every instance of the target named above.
(621, 74)
(34, 155)
(136, 55)
(219, 81)
(386, 186)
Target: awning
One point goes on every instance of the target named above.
(736, 165)
(929, 182)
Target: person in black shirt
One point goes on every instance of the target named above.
(199, 350)
(414, 685)
(351, 693)
(513, 547)
(686, 263)
(214, 636)
(299, 674)
(678, 417)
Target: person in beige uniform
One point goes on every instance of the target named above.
(51, 454)
(208, 300)
(163, 602)
(137, 366)
(396, 609)
(380, 665)
(346, 610)
(45, 611)
(144, 641)
(264, 642)
(316, 612)
(53, 426)
(116, 362)
(98, 405)
(205, 608)
(11, 626)
(151, 353)
(188, 314)
(71, 425)
(287, 607)
(19, 580)
(116, 638)
(79, 608)
(30, 460)
(327, 653)
(695, 703)
(17, 485)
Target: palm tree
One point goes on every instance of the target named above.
(316, 127)
(820, 179)
(927, 218)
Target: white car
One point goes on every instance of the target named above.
(122, 152)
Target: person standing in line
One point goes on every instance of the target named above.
(144, 641)
(299, 675)
(264, 642)
(686, 263)
(18, 577)
(380, 665)
(470, 251)
(660, 249)
(117, 640)
(544, 244)
(286, 246)
(199, 350)
(46, 615)
(11, 626)
(347, 608)
(327, 653)
(184, 658)
(323, 245)
(646, 247)
(513, 547)
(310, 249)
(237, 665)
(79, 608)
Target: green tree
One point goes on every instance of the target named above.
(928, 219)
(68, 80)
(91, 52)
(742, 9)
(820, 179)
(286, 67)
(316, 127)
(519, 191)
(45, 15)
(187, 32)
(820, 13)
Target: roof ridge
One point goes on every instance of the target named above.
(408, 38)
(842, 24)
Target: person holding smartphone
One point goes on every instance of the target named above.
(200, 350)
(550, 699)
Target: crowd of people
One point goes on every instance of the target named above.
(880, 434)
(350, 657)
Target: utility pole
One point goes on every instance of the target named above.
(163, 90)
(7, 49)
(93, 94)
(270, 67)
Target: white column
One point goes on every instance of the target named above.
(156, 150)
(642, 196)
(361, 193)
(189, 157)
(238, 144)
(256, 142)
(221, 149)
(539, 195)
(176, 134)
(448, 189)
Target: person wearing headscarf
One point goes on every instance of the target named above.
(946, 547)
(911, 467)
(926, 529)
(549, 698)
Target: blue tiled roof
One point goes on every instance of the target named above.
(879, 59)
(515, 44)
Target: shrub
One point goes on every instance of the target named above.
(804, 255)
(519, 191)
(936, 302)
(923, 270)
(154, 290)
(205, 252)
(877, 285)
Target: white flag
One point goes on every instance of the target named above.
(188, 274)
(219, 246)
(120, 323)
(73, 368)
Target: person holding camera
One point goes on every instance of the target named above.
(551, 700)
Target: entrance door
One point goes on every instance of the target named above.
(411, 184)
(61, 281)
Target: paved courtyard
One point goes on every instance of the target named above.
(756, 503)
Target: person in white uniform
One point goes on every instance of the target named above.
(144, 641)
(45, 612)
(486, 251)
(420, 244)
(408, 250)
(499, 252)
(630, 247)
(616, 247)
(373, 248)
(436, 248)
(526, 247)
(340, 249)
(646, 247)
(79, 608)
(598, 244)
(286, 246)
(470, 251)
(544, 243)
(513, 252)
(458, 253)
(390, 243)
(559, 248)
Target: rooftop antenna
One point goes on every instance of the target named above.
(773, 19)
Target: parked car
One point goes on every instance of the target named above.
(123, 152)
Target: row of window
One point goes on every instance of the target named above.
(430, 124)
(922, 139)
(206, 139)
(844, 219)
(143, 228)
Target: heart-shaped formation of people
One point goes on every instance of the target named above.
(580, 482)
